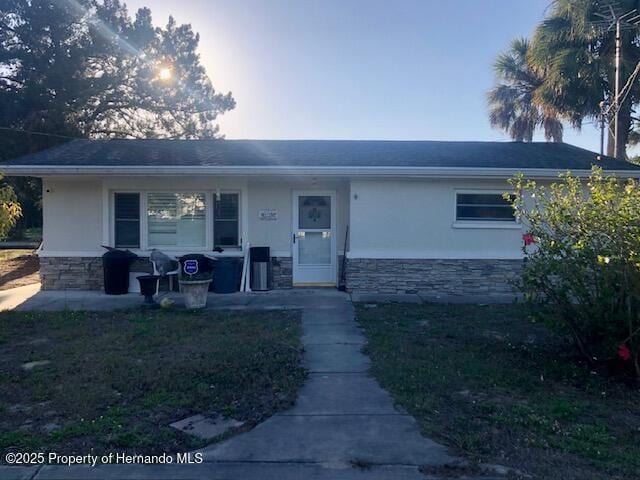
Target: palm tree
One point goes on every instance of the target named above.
(578, 52)
(513, 103)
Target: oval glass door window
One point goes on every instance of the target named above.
(314, 212)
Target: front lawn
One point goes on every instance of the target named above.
(487, 382)
(114, 381)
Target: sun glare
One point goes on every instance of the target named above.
(165, 73)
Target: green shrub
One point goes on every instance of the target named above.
(10, 209)
(583, 270)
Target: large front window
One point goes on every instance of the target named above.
(176, 220)
(491, 207)
(179, 221)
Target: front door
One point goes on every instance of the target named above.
(314, 245)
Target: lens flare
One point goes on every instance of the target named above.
(165, 73)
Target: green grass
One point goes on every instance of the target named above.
(118, 379)
(496, 387)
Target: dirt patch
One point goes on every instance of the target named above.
(19, 271)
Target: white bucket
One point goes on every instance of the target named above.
(134, 284)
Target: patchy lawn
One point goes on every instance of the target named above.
(498, 388)
(116, 380)
(18, 267)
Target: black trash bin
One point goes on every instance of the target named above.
(115, 264)
(226, 275)
(204, 264)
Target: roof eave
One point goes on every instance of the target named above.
(370, 171)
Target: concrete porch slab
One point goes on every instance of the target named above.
(428, 297)
(31, 298)
(469, 299)
(385, 297)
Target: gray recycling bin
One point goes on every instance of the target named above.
(260, 262)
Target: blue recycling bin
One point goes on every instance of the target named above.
(226, 275)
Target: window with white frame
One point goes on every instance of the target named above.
(176, 220)
(126, 223)
(226, 220)
(483, 206)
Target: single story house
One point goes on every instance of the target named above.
(410, 216)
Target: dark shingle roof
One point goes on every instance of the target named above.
(320, 153)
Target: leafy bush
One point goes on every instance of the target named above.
(582, 268)
(10, 209)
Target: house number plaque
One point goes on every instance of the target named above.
(268, 214)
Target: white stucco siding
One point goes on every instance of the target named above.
(278, 195)
(78, 212)
(388, 218)
(72, 216)
(272, 233)
(416, 219)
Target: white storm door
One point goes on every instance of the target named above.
(314, 244)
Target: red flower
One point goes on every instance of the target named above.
(528, 239)
(624, 353)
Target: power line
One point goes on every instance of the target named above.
(44, 134)
(627, 88)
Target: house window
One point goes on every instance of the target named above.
(176, 220)
(127, 220)
(488, 207)
(226, 220)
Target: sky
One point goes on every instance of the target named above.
(357, 69)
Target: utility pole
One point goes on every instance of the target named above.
(602, 126)
(616, 96)
(613, 15)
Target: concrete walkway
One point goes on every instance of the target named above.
(14, 297)
(343, 426)
(342, 417)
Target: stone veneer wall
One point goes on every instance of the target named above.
(427, 277)
(71, 273)
(433, 277)
(85, 273)
(281, 272)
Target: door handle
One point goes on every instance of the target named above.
(294, 237)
